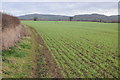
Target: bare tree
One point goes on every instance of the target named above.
(35, 18)
(70, 18)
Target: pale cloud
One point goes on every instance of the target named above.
(60, 8)
(60, 0)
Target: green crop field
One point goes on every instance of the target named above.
(81, 49)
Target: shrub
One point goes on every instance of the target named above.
(9, 21)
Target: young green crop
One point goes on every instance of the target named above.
(81, 49)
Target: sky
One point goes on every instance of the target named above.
(17, 8)
(60, 0)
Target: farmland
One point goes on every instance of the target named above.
(81, 49)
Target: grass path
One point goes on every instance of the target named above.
(45, 56)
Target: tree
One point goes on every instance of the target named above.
(35, 18)
(59, 19)
(70, 18)
(100, 20)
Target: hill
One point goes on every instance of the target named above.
(85, 17)
(96, 17)
(44, 17)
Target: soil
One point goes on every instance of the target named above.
(49, 69)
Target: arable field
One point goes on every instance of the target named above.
(81, 49)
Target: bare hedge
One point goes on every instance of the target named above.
(9, 21)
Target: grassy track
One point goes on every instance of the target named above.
(25, 59)
(16, 61)
(81, 49)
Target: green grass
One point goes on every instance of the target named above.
(16, 60)
(25, 59)
(81, 49)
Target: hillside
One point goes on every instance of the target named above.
(44, 17)
(96, 17)
(86, 17)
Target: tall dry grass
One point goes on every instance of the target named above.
(12, 31)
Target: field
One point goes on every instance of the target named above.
(81, 49)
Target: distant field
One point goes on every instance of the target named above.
(81, 49)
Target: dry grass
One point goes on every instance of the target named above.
(12, 31)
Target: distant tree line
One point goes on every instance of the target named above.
(72, 19)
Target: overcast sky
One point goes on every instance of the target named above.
(60, 8)
(60, 0)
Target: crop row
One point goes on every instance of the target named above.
(74, 56)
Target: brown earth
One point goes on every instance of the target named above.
(49, 68)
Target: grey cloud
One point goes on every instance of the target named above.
(66, 8)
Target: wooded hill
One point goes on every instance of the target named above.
(86, 17)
